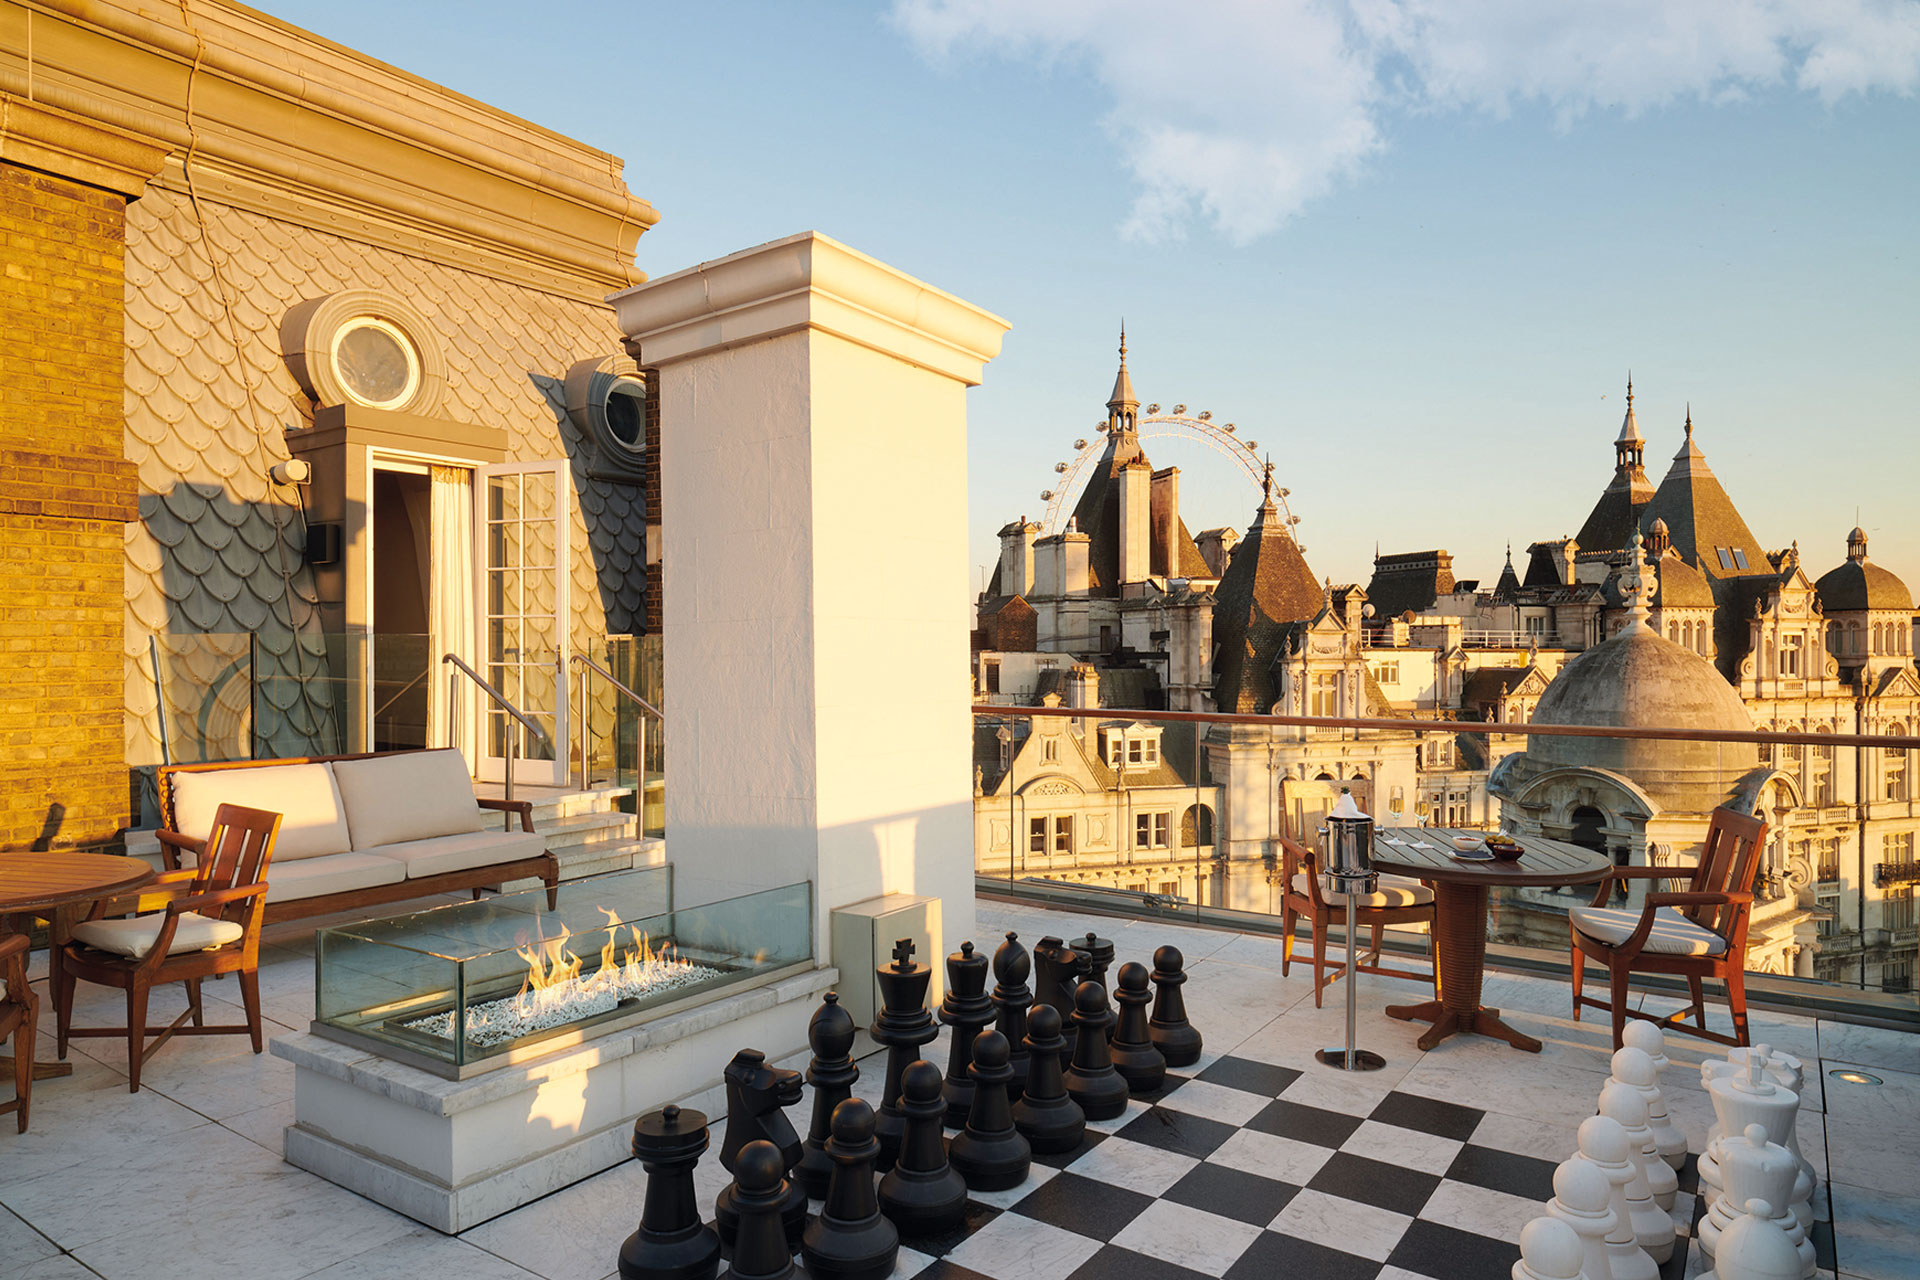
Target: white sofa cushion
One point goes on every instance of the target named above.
(135, 937)
(313, 822)
(341, 873)
(1672, 934)
(411, 795)
(439, 854)
(1394, 891)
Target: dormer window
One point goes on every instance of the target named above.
(1133, 747)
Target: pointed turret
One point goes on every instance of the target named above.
(1702, 523)
(1123, 408)
(1509, 585)
(1627, 493)
(1267, 590)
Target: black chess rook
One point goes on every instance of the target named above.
(851, 1239)
(1012, 998)
(1098, 954)
(1091, 1080)
(990, 1153)
(1131, 1049)
(832, 1074)
(969, 1012)
(760, 1250)
(1175, 1037)
(672, 1243)
(1046, 1117)
(923, 1194)
(756, 1097)
(904, 1027)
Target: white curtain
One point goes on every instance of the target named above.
(450, 617)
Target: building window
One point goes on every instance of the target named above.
(1150, 830)
(1828, 905)
(1896, 976)
(1726, 558)
(1326, 694)
(993, 677)
(1897, 913)
(375, 362)
(1739, 557)
(1897, 848)
(1894, 764)
(1170, 888)
(1106, 638)
(1828, 865)
(1536, 624)
(1790, 656)
(1061, 833)
(1387, 672)
(1050, 749)
(1036, 835)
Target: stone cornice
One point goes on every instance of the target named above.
(807, 281)
(36, 136)
(298, 128)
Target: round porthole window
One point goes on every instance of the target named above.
(607, 403)
(375, 362)
(626, 409)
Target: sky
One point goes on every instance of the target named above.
(1410, 247)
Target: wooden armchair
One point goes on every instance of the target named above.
(1697, 933)
(19, 1015)
(210, 927)
(1398, 900)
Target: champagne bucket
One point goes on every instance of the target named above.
(1347, 847)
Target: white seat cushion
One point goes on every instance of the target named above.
(135, 937)
(312, 821)
(441, 854)
(341, 873)
(1394, 891)
(1672, 934)
(407, 795)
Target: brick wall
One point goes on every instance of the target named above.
(66, 491)
(652, 427)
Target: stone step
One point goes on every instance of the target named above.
(568, 833)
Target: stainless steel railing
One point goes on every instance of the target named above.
(500, 699)
(588, 667)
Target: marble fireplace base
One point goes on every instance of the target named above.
(454, 1153)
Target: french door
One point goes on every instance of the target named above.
(521, 526)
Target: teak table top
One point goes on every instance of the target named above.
(43, 881)
(1544, 862)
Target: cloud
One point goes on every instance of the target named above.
(1242, 112)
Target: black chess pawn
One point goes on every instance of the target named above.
(923, 1194)
(1058, 970)
(1131, 1047)
(1175, 1037)
(832, 1074)
(672, 1243)
(760, 1250)
(1046, 1117)
(904, 1026)
(990, 1153)
(1091, 1080)
(1012, 998)
(756, 1097)
(851, 1240)
(969, 1012)
(1099, 955)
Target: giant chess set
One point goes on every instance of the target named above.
(1037, 1082)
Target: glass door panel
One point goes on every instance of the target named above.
(523, 599)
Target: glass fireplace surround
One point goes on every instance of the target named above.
(467, 986)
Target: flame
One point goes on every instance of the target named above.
(555, 977)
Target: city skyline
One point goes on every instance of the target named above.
(1465, 235)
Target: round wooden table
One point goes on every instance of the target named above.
(55, 885)
(1460, 916)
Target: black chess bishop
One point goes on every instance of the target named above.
(1012, 998)
(832, 1074)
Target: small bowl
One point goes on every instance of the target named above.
(1468, 844)
(1503, 851)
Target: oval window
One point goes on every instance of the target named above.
(375, 362)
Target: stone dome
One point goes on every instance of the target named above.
(1860, 583)
(1639, 679)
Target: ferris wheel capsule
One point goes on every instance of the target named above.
(1046, 495)
(1060, 468)
(1081, 443)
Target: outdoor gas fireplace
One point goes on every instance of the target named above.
(469, 986)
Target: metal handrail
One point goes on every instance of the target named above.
(513, 739)
(580, 723)
(405, 689)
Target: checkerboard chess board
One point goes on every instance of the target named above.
(1221, 1173)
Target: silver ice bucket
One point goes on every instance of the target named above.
(1347, 847)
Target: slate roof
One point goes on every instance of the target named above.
(1490, 684)
(1862, 584)
(1700, 516)
(1121, 688)
(1266, 588)
(1410, 580)
(1097, 514)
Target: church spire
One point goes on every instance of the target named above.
(1123, 409)
(1629, 445)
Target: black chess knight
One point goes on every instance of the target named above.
(1012, 998)
(832, 1074)
(756, 1094)
(1057, 970)
(904, 1027)
(672, 1243)
(1171, 1033)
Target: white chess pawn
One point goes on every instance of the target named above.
(1756, 1169)
(1661, 1179)
(1583, 1200)
(1754, 1098)
(1755, 1248)
(1645, 1038)
(1603, 1143)
(1652, 1225)
(1548, 1251)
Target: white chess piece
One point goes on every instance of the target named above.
(1583, 1200)
(1638, 1070)
(1755, 1248)
(1652, 1225)
(1667, 1138)
(1548, 1251)
(1784, 1070)
(1754, 1098)
(1756, 1169)
(1603, 1143)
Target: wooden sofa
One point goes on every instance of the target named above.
(359, 830)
